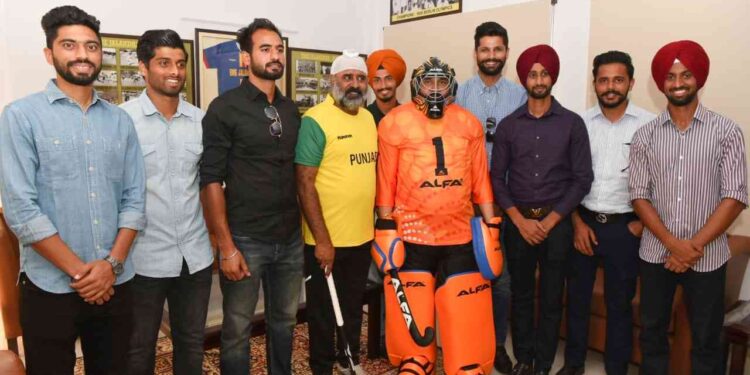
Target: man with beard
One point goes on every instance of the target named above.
(541, 169)
(73, 189)
(605, 229)
(488, 95)
(385, 72)
(688, 183)
(336, 154)
(172, 257)
(491, 97)
(249, 134)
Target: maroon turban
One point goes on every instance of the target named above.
(542, 54)
(690, 54)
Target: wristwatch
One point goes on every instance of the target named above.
(117, 267)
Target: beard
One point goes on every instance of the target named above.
(491, 71)
(620, 99)
(681, 102)
(539, 95)
(386, 97)
(342, 97)
(263, 72)
(65, 72)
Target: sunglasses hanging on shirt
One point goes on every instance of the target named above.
(490, 124)
(275, 128)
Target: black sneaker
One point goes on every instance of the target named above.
(522, 369)
(503, 364)
(570, 370)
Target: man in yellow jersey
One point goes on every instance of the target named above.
(335, 157)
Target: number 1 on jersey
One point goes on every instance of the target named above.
(440, 169)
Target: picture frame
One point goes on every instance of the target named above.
(218, 64)
(120, 80)
(412, 10)
(309, 75)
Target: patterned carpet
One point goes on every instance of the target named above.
(257, 351)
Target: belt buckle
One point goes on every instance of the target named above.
(536, 213)
(601, 218)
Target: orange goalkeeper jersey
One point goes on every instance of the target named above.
(430, 171)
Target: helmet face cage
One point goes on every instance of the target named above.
(433, 87)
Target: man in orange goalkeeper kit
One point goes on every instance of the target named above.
(432, 166)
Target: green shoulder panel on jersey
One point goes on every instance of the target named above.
(311, 143)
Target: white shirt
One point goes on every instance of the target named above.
(610, 154)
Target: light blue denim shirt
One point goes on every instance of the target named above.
(66, 171)
(176, 229)
(498, 101)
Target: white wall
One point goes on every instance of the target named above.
(340, 24)
(23, 70)
(570, 38)
(5, 93)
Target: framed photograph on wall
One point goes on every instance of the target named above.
(411, 10)
(309, 75)
(217, 56)
(120, 80)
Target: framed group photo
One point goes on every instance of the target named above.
(411, 10)
(120, 80)
(309, 76)
(219, 66)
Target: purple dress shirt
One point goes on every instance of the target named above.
(538, 162)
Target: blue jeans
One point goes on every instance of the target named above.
(501, 301)
(279, 266)
(187, 296)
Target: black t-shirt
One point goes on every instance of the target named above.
(377, 114)
(257, 168)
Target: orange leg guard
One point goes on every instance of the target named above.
(467, 335)
(416, 366)
(419, 287)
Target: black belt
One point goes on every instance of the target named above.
(603, 218)
(535, 212)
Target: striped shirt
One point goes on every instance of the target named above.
(685, 174)
(497, 101)
(610, 150)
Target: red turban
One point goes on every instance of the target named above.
(389, 60)
(690, 54)
(542, 54)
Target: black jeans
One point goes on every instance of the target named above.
(187, 296)
(52, 322)
(618, 252)
(704, 297)
(350, 276)
(537, 345)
